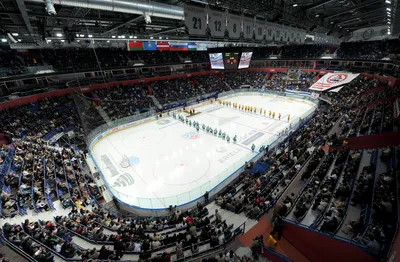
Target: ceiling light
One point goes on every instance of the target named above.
(332, 22)
(3, 40)
(62, 41)
(294, 5)
(90, 36)
(151, 37)
(389, 9)
(388, 2)
(113, 36)
(317, 15)
(108, 41)
(19, 40)
(135, 37)
(389, 32)
(160, 37)
(122, 36)
(15, 34)
(166, 37)
(59, 34)
(82, 35)
(77, 35)
(130, 36)
(78, 40)
(389, 22)
(48, 40)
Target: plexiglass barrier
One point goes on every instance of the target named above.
(218, 181)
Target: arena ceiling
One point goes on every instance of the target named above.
(30, 21)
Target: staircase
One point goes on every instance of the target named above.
(156, 102)
(104, 115)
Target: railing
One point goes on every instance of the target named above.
(217, 182)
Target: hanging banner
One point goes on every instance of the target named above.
(234, 26)
(331, 80)
(278, 33)
(202, 46)
(292, 37)
(195, 20)
(285, 33)
(248, 27)
(217, 23)
(269, 31)
(259, 29)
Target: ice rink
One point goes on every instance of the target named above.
(170, 163)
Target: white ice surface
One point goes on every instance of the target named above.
(172, 163)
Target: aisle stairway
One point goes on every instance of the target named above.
(104, 115)
(156, 102)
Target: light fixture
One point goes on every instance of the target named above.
(160, 37)
(108, 41)
(135, 37)
(59, 34)
(78, 40)
(389, 22)
(332, 22)
(90, 36)
(151, 37)
(82, 35)
(77, 35)
(294, 5)
(317, 15)
(389, 9)
(122, 36)
(48, 40)
(19, 40)
(113, 36)
(166, 37)
(62, 40)
(388, 2)
(15, 34)
(3, 40)
(130, 37)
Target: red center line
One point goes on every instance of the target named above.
(263, 131)
(137, 173)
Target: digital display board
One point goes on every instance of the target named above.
(216, 61)
(231, 60)
(245, 59)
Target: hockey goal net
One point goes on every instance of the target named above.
(124, 161)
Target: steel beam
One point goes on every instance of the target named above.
(355, 8)
(130, 19)
(25, 17)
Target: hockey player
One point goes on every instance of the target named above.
(288, 118)
(279, 116)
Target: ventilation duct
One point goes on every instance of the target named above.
(125, 6)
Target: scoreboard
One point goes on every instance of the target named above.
(230, 58)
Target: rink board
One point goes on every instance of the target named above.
(170, 163)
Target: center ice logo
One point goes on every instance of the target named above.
(191, 135)
(220, 149)
(163, 121)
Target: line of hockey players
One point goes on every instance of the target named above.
(251, 109)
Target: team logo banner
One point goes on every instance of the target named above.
(217, 23)
(331, 80)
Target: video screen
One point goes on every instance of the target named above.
(231, 60)
(216, 61)
(245, 60)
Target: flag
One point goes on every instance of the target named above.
(192, 46)
(135, 46)
(162, 46)
(149, 46)
(178, 46)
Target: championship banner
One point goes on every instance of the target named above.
(269, 31)
(285, 33)
(331, 80)
(303, 36)
(217, 23)
(259, 27)
(195, 20)
(234, 26)
(248, 27)
(292, 37)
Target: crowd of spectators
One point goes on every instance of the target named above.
(124, 101)
(253, 79)
(369, 50)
